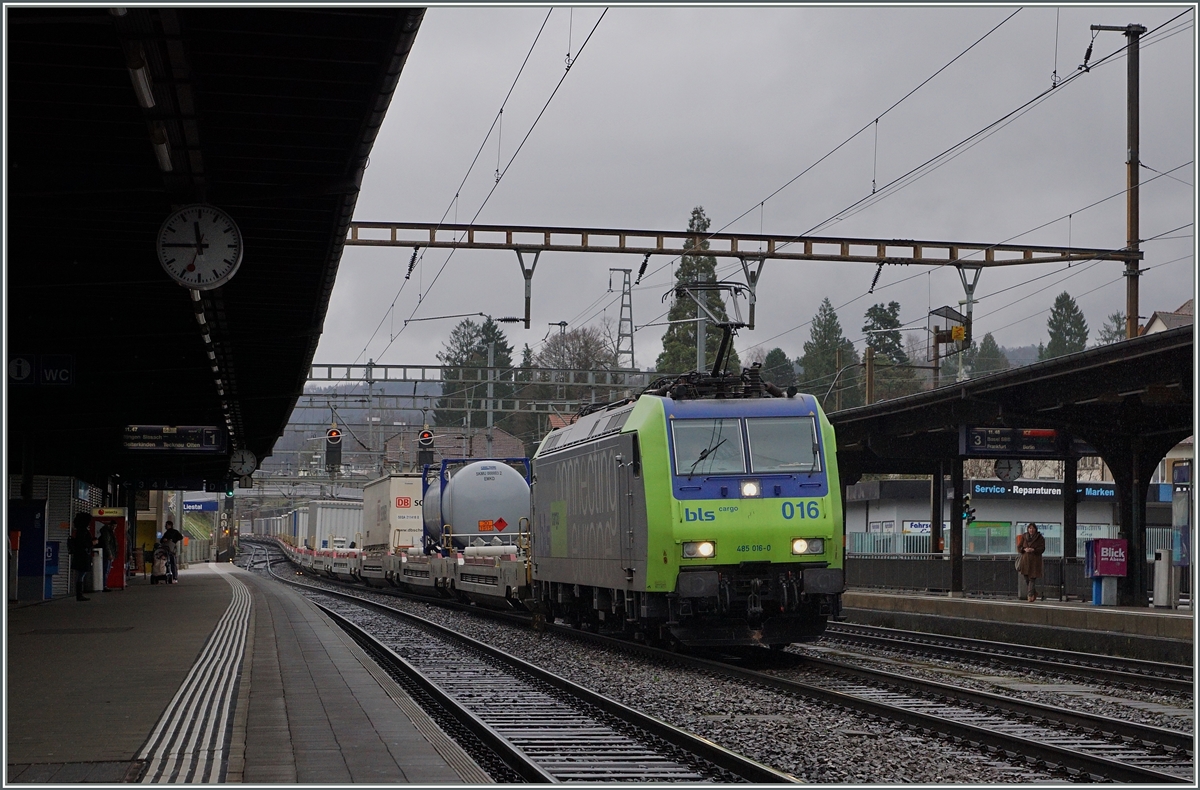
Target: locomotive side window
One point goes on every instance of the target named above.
(708, 447)
(783, 444)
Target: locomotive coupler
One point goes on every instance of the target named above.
(754, 608)
(724, 596)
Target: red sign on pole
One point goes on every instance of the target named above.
(1111, 556)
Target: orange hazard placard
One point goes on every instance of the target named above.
(487, 526)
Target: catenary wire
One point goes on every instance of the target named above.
(458, 191)
(500, 178)
(849, 139)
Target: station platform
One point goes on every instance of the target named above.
(1131, 632)
(223, 677)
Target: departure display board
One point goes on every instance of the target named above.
(1015, 442)
(175, 438)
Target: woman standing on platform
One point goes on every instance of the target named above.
(1030, 546)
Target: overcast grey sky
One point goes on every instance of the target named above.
(673, 107)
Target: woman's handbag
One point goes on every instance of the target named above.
(1018, 563)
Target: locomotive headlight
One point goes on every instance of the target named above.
(751, 488)
(808, 546)
(699, 549)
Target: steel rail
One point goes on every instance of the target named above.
(503, 758)
(1129, 672)
(735, 764)
(512, 756)
(1171, 739)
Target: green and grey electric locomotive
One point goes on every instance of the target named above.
(707, 512)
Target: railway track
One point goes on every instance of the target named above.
(543, 727)
(1078, 745)
(1124, 672)
(1102, 748)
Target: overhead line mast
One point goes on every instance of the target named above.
(1133, 134)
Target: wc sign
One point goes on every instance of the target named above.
(49, 369)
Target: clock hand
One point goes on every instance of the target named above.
(200, 245)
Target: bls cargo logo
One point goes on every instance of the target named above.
(403, 501)
(1112, 553)
(698, 514)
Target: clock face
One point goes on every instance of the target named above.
(200, 247)
(1008, 470)
(242, 463)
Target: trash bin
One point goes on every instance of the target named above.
(1166, 581)
(1104, 591)
(98, 570)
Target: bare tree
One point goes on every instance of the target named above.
(584, 348)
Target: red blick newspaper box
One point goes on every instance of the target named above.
(1111, 556)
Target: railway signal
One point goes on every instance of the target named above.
(333, 449)
(968, 512)
(425, 438)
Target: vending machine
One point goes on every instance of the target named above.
(117, 518)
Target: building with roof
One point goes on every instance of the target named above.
(1162, 321)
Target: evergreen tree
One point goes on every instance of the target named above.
(528, 426)
(1068, 329)
(1113, 330)
(778, 369)
(465, 356)
(883, 332)
(893, 377)
(820, 361)
(988, 358)
(679, 341)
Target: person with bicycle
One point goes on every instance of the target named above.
(172, 540)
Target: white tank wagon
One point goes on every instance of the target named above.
(482, 502)
(481, 526)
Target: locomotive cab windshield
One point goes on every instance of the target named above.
(718, 446)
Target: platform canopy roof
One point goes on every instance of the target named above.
(1139, 390)
(268, 113)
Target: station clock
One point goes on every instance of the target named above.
(200, 247)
